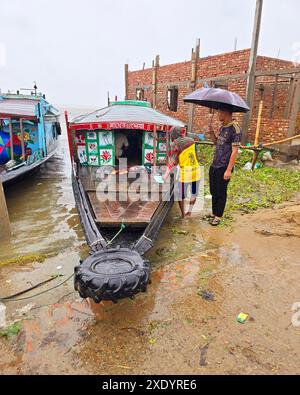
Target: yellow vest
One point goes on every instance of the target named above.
(189, 165)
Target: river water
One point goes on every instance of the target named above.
(41, 208)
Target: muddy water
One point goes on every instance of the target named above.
(42, 208)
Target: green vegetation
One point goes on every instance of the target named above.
(251, 190)
(12, 330)
(25, 259)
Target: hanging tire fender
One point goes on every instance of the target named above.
(112, 274)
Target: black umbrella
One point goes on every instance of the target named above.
(218, 99)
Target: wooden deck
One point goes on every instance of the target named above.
(111, 213)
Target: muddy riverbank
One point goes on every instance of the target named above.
(202, 278)
(186, 322)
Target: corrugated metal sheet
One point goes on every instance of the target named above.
(128, 113)
(18, 107)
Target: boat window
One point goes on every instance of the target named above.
(172, 98)
(128, 144)
(140, 94)
(220, 85)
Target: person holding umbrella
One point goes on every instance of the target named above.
(227, 143)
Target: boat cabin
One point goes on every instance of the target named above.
(29, 130)
(125, 137)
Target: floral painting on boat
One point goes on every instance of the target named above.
(93, 160)
(106, 157)
(148, 156)
(92, 148)
(92, 135)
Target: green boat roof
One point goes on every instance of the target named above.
(131, 103)
(128, 112)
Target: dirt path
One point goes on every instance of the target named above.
(186, 322)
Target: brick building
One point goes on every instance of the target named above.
(277, 83)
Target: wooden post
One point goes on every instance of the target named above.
(126, 82)
(294, 108)
(193, 83)
(290, 98)
(294, 115)
(22, 139)
(11, 138)
(252, 69)
(154, 80)
(274, 96)
(154, 148)
(5, 230)
(235, 43)
(70, 142)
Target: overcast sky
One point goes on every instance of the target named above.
(76, 49)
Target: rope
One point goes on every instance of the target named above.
(31, 288)
(12, 297)
(123, 226)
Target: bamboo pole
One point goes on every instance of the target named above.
(282, 141)
(11, 136)
(257, 133)
(5, 230)
(258, 126)
(253, 147)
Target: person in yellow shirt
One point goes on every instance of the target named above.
(184, 154)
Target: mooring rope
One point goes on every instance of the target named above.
(11, 298)
(122, 227)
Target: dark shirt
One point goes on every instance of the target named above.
(229, 136)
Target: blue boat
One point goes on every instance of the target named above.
(29, 130)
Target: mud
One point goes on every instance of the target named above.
(172, 329)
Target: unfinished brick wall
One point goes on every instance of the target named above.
(229, 69)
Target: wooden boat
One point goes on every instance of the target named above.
(29, 130)
(120, 226)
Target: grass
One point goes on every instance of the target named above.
(251, 190)
(25, 259)
(12, 330)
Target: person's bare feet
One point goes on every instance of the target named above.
(188, 214)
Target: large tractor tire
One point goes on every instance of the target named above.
(111, 275)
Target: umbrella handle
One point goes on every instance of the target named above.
(211, 119)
